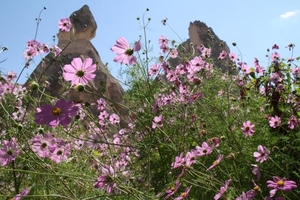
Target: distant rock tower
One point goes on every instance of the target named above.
(50, 70)
(201, 34)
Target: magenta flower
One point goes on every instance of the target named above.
(78, 72)
(223, 189)
(280, 184)
(60, 113)
(216, 162)
(22, 194)
(275, 121)
(9, 151)
(64, 24)
(248, 128)
(262, 154)
(125, 53)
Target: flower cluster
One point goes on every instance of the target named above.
(47, 146)
(35, 48)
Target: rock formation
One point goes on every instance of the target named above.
(50, 69)
(201, 34)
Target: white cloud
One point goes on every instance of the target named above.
(289, 14)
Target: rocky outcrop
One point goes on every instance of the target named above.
(77, 43)
(201, 34)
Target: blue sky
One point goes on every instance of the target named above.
(254, 25)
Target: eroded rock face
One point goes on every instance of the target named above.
(201, 34)
(83, 30)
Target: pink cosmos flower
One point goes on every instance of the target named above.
(195, 96)
(262, 154)
(280, 184)
(9, 151)
(232, 57)
(60, 113)
(275, 121)
(179, 161)
(246, 69)
(190, 158)
(185, 194)
(163, 40)
(275, 56)
(43, 144)
(172, 190)
(154, 69)
(78, 72)
(114, 119)
(173, 53)
(55, 50)
(10, 75)
(61, 151)
(222, 55)
(105, 181)
(22, 194)
(204, 150)
(205, 52)
(223, 189)
(248, 128)
(64, 24)
(101, 104)
(243, 197)
(293, 121)
(125, 53)
(216, 162)
(157, 122)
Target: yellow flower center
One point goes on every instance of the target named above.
(256, 188)
(172, 188)
(280, 183)
(183, 194)
(56, 111)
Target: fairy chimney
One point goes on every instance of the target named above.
(77, 43)
(201, 34)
